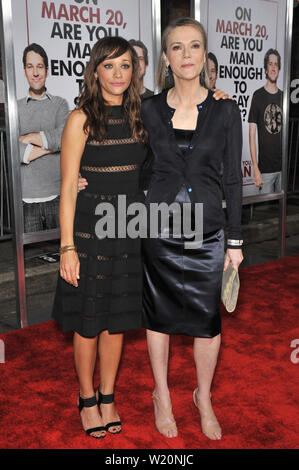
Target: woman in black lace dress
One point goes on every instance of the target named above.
(99, 289)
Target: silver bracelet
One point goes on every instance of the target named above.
(235, 242)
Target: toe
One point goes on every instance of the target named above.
(98, 434)
(217, 435)
(172, 433)
(114, 429)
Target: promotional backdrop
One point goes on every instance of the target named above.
(67, 31)
(239, 34)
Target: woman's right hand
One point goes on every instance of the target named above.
(70, 267)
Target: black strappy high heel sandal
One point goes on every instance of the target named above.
(106, 400)
(88, 403)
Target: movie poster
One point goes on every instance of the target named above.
(63, 33)
(67, 30)
(246, 57)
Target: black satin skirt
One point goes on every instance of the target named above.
(182, 287)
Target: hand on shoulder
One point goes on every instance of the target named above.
(219, 94)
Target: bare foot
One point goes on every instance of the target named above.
(209, 423)
(164, 419)
(90, 418)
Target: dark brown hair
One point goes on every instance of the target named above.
(267, 55)
(38, 50)
(140, 44)
(91, 100)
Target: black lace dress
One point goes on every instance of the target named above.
(109, 295)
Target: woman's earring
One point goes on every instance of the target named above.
(166, 73)
(203, 75)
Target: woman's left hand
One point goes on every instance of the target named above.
(235, 256)
(219, 94)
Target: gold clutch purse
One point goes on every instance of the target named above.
(230, 288)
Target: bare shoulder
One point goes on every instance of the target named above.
(75, 123)
(77, 118)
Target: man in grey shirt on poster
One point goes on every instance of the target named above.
(42, 117)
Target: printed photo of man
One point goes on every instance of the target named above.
(213, 69)
(142, 54)
(42, 117)
(265, 120)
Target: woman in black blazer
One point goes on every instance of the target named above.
(196, 144)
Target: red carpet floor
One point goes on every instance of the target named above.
(255, 390)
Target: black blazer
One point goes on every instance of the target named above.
(213, 159)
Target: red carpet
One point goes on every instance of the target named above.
(255, 390)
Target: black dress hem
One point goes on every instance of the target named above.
(120, 323)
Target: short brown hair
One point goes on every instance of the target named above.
(267, 55)
(38, 50)
(140, 44)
